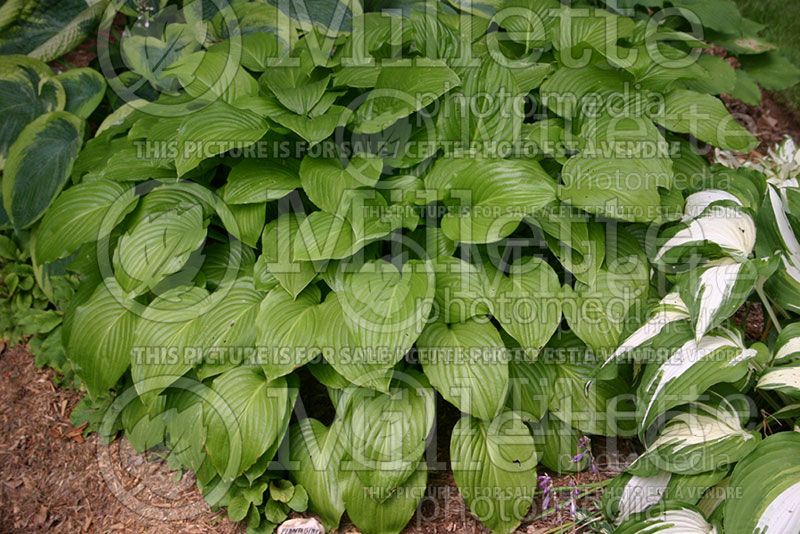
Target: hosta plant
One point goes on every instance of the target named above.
(504, 207)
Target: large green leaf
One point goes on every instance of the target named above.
(316, 453)
(166, 336)
(82, 214)
(39, 164)
(277, 244)
(214, 130)
(102, 337)
(84, 88)
(258, 180)
(706, 118)
(330, 186)
(494, 465)
(398, 94)
(286, 330)
(158, 246)
(245, 419)
(468, 364)
(490, 197)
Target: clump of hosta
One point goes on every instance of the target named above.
(394, 206)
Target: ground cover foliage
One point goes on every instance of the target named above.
(505, 204)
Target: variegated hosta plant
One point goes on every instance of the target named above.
(504, 206)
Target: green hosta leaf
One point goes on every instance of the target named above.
(386, 309)
(214, 130)
(286, 330)
(771, 70)
(150, 56)
(244, 420)
(212, 75)
(158, 246)
(101, 337)
(330, 186)
(84, 213)
(39, 164)
(460, 290)
(314, 129)
(494, 465)
(245, 222)
(278, 247)
(676, 519)
(703, 438)
(344, 353)
(166, 336)
(84, 90)
(186, 433)
(559, 444)
(468, 364)
(526, 302)
(230, 322)
(385, 434)
(706, 118)
(566, 89)
(689, 371)
(375, 511)
(317, 452)
(767, 482)
(144, 429)
(298, 88)
(397, 94)
(721, 76)
(260, 180)
(490, 197)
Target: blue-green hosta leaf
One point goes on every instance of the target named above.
(84, 213)
(468, 364)
(460, 289)
(47, 29)
(245, 419)
(387, 309)
(286, 330)
(385, 434)
(494, 465)
(39, 164)
(715, 293)
(675, 519)
(689, 371)
(316, 452)
(702, 438)
(259, 180)
(489, 197)
(84, 89)
(704, 117)
(526, 302)
(101, 337)
(168, 328)
(383, 512)
(397, 94)
(330, 186)
(767, 483)
(670, 310)
(730, 229)
(157, 247)
(277, 244)
(214, 130)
